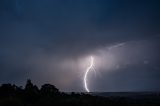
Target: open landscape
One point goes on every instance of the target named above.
(79, 52)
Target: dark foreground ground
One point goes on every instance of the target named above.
(49, 95)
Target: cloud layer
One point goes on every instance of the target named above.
(48, 41)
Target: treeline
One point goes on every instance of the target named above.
(49, 95)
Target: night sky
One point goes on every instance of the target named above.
(50, 41)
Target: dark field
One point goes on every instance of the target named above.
(49, 95)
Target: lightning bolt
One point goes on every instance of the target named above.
(117, 45)
(89, 68)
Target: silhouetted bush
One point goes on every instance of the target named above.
(48, 89)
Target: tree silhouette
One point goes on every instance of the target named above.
(49, 95)
(31, 92)
(49, 90)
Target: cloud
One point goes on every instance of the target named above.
(45, 40)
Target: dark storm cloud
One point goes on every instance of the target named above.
(35, 34)
(133, 68)
(135, 78)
